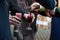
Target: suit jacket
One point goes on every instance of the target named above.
(14, 7)
(49, 4)
(21, 6)
(55, 28)
(4, 21)
(25, 4)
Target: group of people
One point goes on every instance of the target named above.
(28, 15)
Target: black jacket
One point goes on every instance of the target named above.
(13, 6)
(49, 4)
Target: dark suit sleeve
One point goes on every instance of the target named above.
(43, 13)
(15, 8)
(57, 12)
(49, 4)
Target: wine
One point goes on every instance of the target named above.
(29, 18)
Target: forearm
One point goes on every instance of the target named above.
(48, 4)
(53, 14)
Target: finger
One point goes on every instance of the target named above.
(14, 20)
(16, 24)
(17, 18)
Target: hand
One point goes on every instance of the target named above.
(35, 6)
(15, 20)
(29, 17)
(50, 12)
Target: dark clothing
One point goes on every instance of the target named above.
(25, 4)
(55, 26)
(13, 6)
(28, 37)
(49, 4)
(57, 12)
(4, 22)
(55, 29)
(16, 33)
(28, 34)
(25, 24)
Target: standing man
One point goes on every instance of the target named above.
(4, 20)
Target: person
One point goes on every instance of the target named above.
(4, 22)
(16, 33)
(25, 7)
(14, 7)
(28, 32)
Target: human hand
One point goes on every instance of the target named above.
(29, 17)
(35, 7)
(15, 20)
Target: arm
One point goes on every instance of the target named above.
(35, 7)
(48, 4)
(46, 12)
(40, 11)
(52, 13)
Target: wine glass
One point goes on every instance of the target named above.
(29, 20)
